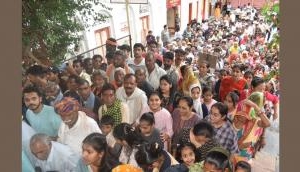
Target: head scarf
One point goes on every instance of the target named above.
(66, 106)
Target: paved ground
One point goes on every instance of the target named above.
(267, 160)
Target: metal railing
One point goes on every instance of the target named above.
(119, 41)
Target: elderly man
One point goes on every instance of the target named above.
(76, 124)
(118, 78)
(119, 60)
(41, 117)
(153, 72)
(135, 98)
(53, 93)
(52, 156)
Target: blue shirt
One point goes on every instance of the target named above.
(46, 121)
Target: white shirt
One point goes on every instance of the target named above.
(136, 102)
(154, 76)
(74, 136)
(61, 158)
(134, 66)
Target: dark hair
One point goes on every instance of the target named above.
(137, 45)
(206, 89)
(31, 89)
(97, 56)
(223, 109)
(99, 144)
(182, 69)
(78, 61)
(188, 100)
(203, 128)
(180, 148)
(205, 62)
(127, 76)
(86, 60)
(149, 117)
(244, 165)
(107, 120)
(37, 70)
(220, 160)
(108, 86)
(234, 95)
(125, 131)
(81, 81)
(155, 93)
(75, 77)
(256, 82)
(147, 154)
(249, 72)
(241, 67)
(169, 55)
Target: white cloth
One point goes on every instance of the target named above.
(134, 66)
(154, 76)
(136, 102)
(86, 76)
(74, 136)
(61, 158)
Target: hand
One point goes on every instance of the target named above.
(275, 116)
(164, 137)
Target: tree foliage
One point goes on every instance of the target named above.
(49, 27)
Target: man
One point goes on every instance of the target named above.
(153, 47)
(165, 35)
(135, 98)
(138, 61)
(88, 65)
(76, 124)
(170, 68)
(90, 102)
(150, 37)
(153, 72)
(78, 66)
(41, 117)
(37, 75)
(113, 107)
(142, 84)
(119, 60)
(179, 58)
(223, 128)
(97, 63)
(52, 156)
(126, 49)
(53, 93)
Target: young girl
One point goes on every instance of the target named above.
(152, 158)
(231, 101)
(199, 107)
(98, 80)
(168, 93)
(186, 154)
(129, 138)
(148, 130)
(162, 117)
(208, 97)
(95, 157)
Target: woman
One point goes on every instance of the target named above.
(218, 12)
(249, 123)
(234, 82)
(188, 79)
(202, 136)
(205, 78)
(130, 139)
(95, 157)
(152, 158)
(168, 93)
(183, 117)
(231, 101)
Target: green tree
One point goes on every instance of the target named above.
(49, 27)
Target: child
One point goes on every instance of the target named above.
(208, 97)
(148, 130)
(98, 79)
(186, 154)
(242, 166)
(200, 108)
(106, 126)
(163, 119)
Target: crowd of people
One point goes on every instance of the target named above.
(196, 101)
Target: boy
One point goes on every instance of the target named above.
(106, 126)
